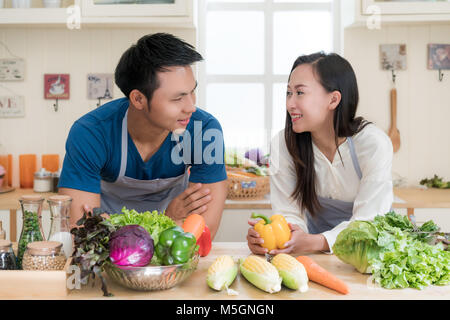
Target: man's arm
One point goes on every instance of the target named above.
(79, 200)
(214, 208)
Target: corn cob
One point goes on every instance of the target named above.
(291, 271)
(221, 273)
(261, 273)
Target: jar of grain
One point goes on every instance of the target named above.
(44, 255)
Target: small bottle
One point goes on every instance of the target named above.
(60, 214)
(7, 257)
(2, 232)
(31, 225)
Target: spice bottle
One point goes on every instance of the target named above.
(44, 256)
(7, 257)
(31, 224)
(43, 181)
(55, 177)
(2, 232)
(59, 228)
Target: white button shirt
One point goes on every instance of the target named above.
(372, 195)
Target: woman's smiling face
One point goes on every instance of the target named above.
(307, 101)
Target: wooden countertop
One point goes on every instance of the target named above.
(404, 198)
(195, 287)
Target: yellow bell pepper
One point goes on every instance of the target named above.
(274, 231)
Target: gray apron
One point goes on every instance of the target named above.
(333, 212)
(140, 195)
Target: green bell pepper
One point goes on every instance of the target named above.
(175, 246)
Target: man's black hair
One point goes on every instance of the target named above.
(152, 53)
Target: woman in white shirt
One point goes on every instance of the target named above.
(327, 167)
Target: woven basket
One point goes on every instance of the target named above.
(246, 186)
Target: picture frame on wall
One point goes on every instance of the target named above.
(438, 56)
(100, 86)
(12, 69)
(12, 106)
(393, 56)
(56, 86)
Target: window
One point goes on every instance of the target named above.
(249, 47)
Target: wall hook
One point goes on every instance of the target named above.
(441, 75)
(393, 75)
(55, 105)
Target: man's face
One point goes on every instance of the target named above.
(173, 102)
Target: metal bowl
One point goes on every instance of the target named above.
(152, 277)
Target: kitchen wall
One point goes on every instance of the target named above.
(423, 103)
(60, 50)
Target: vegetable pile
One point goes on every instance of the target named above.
(135, 239)
(252, 163)
(435, 182)
(398, 255)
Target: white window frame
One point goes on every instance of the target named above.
(268, 78)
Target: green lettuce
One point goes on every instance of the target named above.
(358, 243)
(396, 255)
(415, 265)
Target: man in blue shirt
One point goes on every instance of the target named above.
(153, 149)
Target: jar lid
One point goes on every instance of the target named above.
(59, 198)
(32, 197)
(5, 245)
(44, 248)
(43, 174)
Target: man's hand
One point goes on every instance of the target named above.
(87, 208)
(192, 200)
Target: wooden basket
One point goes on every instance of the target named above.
(246, 186)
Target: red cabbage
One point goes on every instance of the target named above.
(131, 245)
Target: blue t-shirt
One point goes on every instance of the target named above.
(93, 151)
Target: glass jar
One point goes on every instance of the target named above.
(31, 224)
(44, 256)
(2, 232)
(43, 181)
(7, 256)
(59, 229)
(55, 180)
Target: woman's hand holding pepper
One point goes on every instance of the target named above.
(302, 242)
(254, 240)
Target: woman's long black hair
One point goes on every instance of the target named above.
(335, 74)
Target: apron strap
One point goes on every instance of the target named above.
(354, 158)
(124, 151)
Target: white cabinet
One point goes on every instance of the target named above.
(103, 13)
(121, 8)
(408, 7)
(376, 13)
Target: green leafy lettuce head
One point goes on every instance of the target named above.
(357, 245)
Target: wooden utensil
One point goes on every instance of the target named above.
(394, 133)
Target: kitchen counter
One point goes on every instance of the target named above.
(404, 198)
(195, 287)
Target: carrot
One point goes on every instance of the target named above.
(318, 274)
(194, 224)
